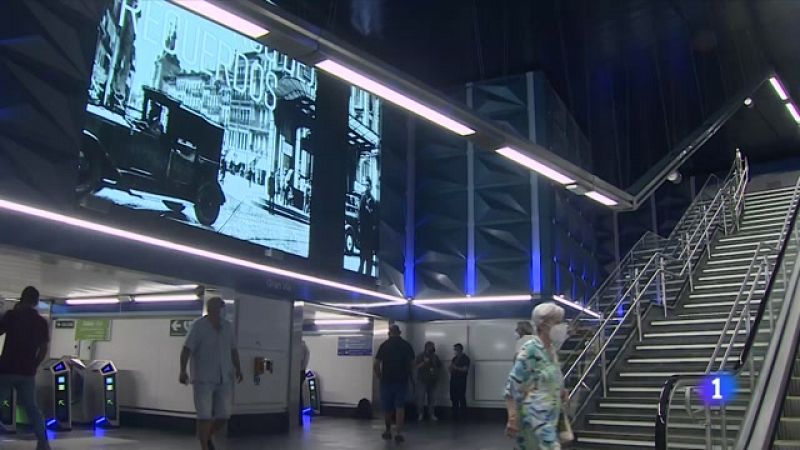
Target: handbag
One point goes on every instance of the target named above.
(565, 434)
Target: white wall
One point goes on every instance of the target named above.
(148, 359)
(488, 343)
(343, 380)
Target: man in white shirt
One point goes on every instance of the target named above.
(211, 346)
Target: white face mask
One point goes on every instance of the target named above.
(559, 334)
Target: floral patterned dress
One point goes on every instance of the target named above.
(535, 384)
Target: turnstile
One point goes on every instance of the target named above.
(8, 411)
(311, 399)
(59, 390)
(100, 390)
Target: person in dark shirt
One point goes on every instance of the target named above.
(428, 367)
(27, 335)
(392, 366)
(459, 369)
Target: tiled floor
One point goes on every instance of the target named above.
(322, 434)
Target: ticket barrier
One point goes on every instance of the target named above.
(100, 393)
(311, 398)
(59, 391)
(8, 411)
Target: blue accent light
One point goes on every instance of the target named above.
(51, 422)
(59, 367)
(718, 388)
(308, 411)
(99, 421)
(107, 368)
(470, 282)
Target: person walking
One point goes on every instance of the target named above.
(211, 347)
(459, 370)
(428, 367)
(392, 367)
(27, 337)
(534, 391)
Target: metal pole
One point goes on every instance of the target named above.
(725, 214)
(724, 427)
(603, 380)
(636, 299)
(708, 427)
(662, 266)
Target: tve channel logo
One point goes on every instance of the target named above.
(718, 389)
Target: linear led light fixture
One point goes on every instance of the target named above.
(338, 331)
(776, 84)
(600, 198)
(389, 94)
(223, 17)
(189, 250)
(561, 299)
(92, 301)
(363, 321)
(397, 302)
(793, 111)
(525, 160)
(471, 300)
(165, 298)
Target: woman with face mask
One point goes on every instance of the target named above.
(534, 390)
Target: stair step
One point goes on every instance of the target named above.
(745, 244)
(736, 260)
(747, 237)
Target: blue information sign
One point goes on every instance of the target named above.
(355, 346)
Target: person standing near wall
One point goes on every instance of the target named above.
(428, 367)
(211, 346)
(27, 335)
(392, 367)
(459, 370)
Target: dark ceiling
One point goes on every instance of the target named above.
(639, 75)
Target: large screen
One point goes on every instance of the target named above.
(191, 121)
(363, 184)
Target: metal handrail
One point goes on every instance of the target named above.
(745, 357)
(714, 217)
(636, 300)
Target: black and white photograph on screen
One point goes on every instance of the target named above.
(362, 204)
(191, 121)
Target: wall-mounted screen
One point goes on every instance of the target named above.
(363, 183)
(196, 123)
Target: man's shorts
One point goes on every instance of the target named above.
(213, 400)
(393, 396)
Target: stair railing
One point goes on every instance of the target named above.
(593, 355)
(692, 385)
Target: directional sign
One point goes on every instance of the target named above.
(180, 327)
(93, 330)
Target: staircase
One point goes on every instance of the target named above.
(788, 436)
(682, 343)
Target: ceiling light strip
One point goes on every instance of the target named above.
(525, 160)
(92, 301)
(778, 87)
(165, 298)
(223, 17)
(389, 94)
(472, 300)
(363, 321)
(561, 299)
(600, 198)
(793, 111)
(186, 249)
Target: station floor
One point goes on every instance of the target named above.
(322, 434)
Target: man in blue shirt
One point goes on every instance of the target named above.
(211, 346)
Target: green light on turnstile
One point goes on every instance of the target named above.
(110, 387)
(62, 387)
(6, 404)
(22, 417)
